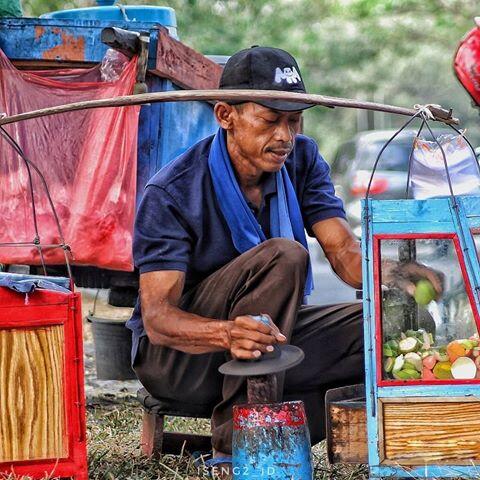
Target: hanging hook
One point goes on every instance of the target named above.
(432, 111)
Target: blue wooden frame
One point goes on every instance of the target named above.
(399, 217)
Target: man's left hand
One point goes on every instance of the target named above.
(405, 275)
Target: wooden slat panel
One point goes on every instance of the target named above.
(348, 435)
(420, 432)
(32, 417)
(183, 65)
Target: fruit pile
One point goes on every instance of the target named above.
(414, 356)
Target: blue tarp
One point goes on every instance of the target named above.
(28, 283)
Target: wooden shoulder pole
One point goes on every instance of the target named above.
(217, 95)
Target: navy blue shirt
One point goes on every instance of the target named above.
(179, 224)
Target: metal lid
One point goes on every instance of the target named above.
(282, 358)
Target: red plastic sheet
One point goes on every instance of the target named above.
(88, 158)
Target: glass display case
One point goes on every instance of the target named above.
(421, 299)
(428, 334)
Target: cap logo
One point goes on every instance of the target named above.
(288, 74)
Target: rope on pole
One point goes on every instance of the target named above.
(439, 114)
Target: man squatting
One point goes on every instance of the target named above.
(219, 236)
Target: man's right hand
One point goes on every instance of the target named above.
(249, 338)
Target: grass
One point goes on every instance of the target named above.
(114, 446)
(114, 449)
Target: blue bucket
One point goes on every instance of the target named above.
(271, 442)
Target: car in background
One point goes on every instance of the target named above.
(353, 163)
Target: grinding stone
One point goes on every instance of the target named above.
(282, 358)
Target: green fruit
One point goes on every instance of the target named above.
(409, 366)
(424, 292)
(398, 364)
(412, 373)
(467, 344)
(393, 344)
(415, 360)
(409, 344)
(388, 364)
(406, 374)
(441, 355)
(401, 375)
(387, 351)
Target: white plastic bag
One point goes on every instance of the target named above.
(113, 64)
(428, 176)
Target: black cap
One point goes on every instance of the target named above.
(264, 68)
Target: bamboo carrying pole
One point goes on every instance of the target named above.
(229, 95)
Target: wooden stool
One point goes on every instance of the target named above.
(156, 441)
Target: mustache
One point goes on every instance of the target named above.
(281, 146)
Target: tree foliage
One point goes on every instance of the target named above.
(391, 51)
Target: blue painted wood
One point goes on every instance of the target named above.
(415, 211)
(168, 129)
(468, 247)
(188, 122)
(429, 391)
(420, 227)
(427, 471)
(406, 217)
(369, 334)
(472, 206)
(64, 40)
(148, 137)
(411, 211)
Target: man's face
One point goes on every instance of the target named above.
(262, 136)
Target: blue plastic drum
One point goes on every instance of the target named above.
(126, 13)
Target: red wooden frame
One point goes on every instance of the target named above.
(48, 308)
(378, 304)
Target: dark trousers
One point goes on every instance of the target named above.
(266, 279)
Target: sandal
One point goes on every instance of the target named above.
(220, 468)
